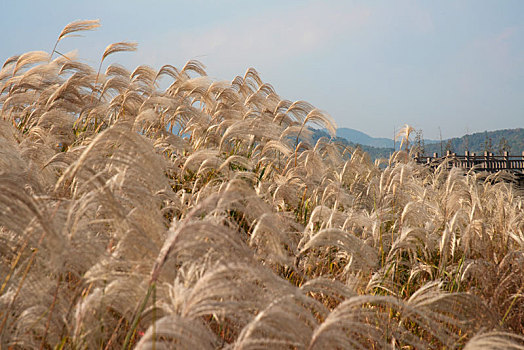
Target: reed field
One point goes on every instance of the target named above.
(201, 217)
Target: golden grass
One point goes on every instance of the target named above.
(203, 217)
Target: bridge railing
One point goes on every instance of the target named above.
(483, 162)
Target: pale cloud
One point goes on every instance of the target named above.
(506, 34)
(493, 58)
(272, 37)
(403, 15)
(422, 20)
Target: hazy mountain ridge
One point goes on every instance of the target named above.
(361, 138)
(374, 152)
(498, 141)
(495, 141)
(358, 137)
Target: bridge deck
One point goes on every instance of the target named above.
(485, 162)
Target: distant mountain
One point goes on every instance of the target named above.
(358, 137)
(496, 142)
(374, 152)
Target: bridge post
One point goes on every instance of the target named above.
(506, 159)
(474, 160)
(466, 155)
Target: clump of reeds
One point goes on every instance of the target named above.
(203, 216)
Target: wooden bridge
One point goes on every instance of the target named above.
(479, 162)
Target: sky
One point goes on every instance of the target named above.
(446, 67)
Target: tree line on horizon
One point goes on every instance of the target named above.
(496, 142)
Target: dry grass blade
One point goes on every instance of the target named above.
(29, 58)
(74, 27)
(496, 341)
(194, 66)
(168, 70)
(178, 332)
(119, 47)
(78, 26)
(285, 323)
(362, 256)
(404, 134)
(10, 60)
(354, 324)
(322, 119)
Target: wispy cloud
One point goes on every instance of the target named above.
(292, 32)
(493, 58)
(272, 37)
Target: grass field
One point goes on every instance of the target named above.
(193, 218)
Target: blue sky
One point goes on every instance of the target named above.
(372, 65)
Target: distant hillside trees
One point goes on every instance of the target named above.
(510, 140)
(419, 142)
(498, 142)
